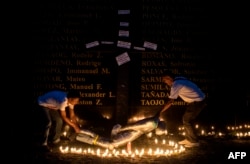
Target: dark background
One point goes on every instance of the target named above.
(215, 32)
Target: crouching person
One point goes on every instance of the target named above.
(54, 104)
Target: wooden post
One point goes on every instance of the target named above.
(121, 113)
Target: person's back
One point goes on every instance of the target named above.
(187, 90)
(52, 99)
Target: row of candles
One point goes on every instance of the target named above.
(159, 146)
(239, 131)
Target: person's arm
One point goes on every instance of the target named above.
(72, 115)
(167, 105)
(69, 122)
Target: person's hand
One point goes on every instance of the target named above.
(77, 128)
(74, 119)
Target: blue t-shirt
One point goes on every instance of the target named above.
(186, 90)
(54, 100)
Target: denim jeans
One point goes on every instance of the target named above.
(53, 125)
(190, 114)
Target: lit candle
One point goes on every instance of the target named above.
(156, 141)
(149, 135)
(129, 147)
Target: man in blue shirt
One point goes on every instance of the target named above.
(54, 104)
(193, 96)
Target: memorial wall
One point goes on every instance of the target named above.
(113, 53)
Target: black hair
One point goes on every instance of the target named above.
(168, 73)
(73, 94)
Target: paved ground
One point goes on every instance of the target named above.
(212, 150)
